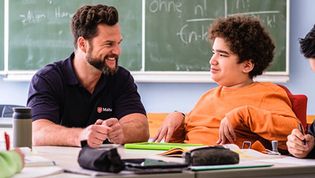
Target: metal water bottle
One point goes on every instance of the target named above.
(22, 127)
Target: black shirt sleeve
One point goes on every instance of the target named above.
(43, 96)
(128, 100)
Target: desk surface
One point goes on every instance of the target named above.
(66, 157)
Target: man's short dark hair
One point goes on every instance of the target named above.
(247, 38)
(85, 20)
(307, 44)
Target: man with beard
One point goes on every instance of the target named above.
(88, 96)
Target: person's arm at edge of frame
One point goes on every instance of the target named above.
(11, 162)
(300, 145)
(137, 124)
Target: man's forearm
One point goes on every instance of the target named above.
(47, 133)
(135, 130)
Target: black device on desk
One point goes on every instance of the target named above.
(150, 166)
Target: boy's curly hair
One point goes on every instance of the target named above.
(247, 38)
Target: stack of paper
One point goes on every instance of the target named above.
(32, 172)
(32, 160)
(37, 166)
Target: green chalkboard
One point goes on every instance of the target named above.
(172, 35)
(176, 31)
(40, 31)
(1, 35)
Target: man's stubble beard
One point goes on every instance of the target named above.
(101, 65)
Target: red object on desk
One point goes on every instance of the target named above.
(7, 141)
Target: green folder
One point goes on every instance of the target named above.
(158, 146)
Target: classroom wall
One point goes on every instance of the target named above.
(167, 97)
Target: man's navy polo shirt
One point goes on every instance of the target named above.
(56, 94)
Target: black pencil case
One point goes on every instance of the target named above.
(212, 155)
(100, 159)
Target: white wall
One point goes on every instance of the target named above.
(13, 92)
(166, 97)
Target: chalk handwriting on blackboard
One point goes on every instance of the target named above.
(200, 12)
(167, 6)
(176, 31)
(35, 17)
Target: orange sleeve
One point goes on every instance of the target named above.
(270, 125)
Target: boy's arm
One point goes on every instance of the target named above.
(270, 125)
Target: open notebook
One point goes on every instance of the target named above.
(178, 152)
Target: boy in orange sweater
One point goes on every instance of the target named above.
(239, 109)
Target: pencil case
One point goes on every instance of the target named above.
(100, 159)
(212, 155)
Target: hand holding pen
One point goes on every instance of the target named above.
(301, 129)
(299, 144)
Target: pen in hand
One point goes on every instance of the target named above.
(303, 132)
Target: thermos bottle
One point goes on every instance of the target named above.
(22, 127)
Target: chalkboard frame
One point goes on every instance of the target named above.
(169, 76)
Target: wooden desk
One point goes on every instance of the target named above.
(66, 157)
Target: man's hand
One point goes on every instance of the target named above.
(116, 134)
(296, 144)
(95, 134)
(226, 132)
(170, 124)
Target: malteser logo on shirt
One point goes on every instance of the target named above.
(101, 109)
